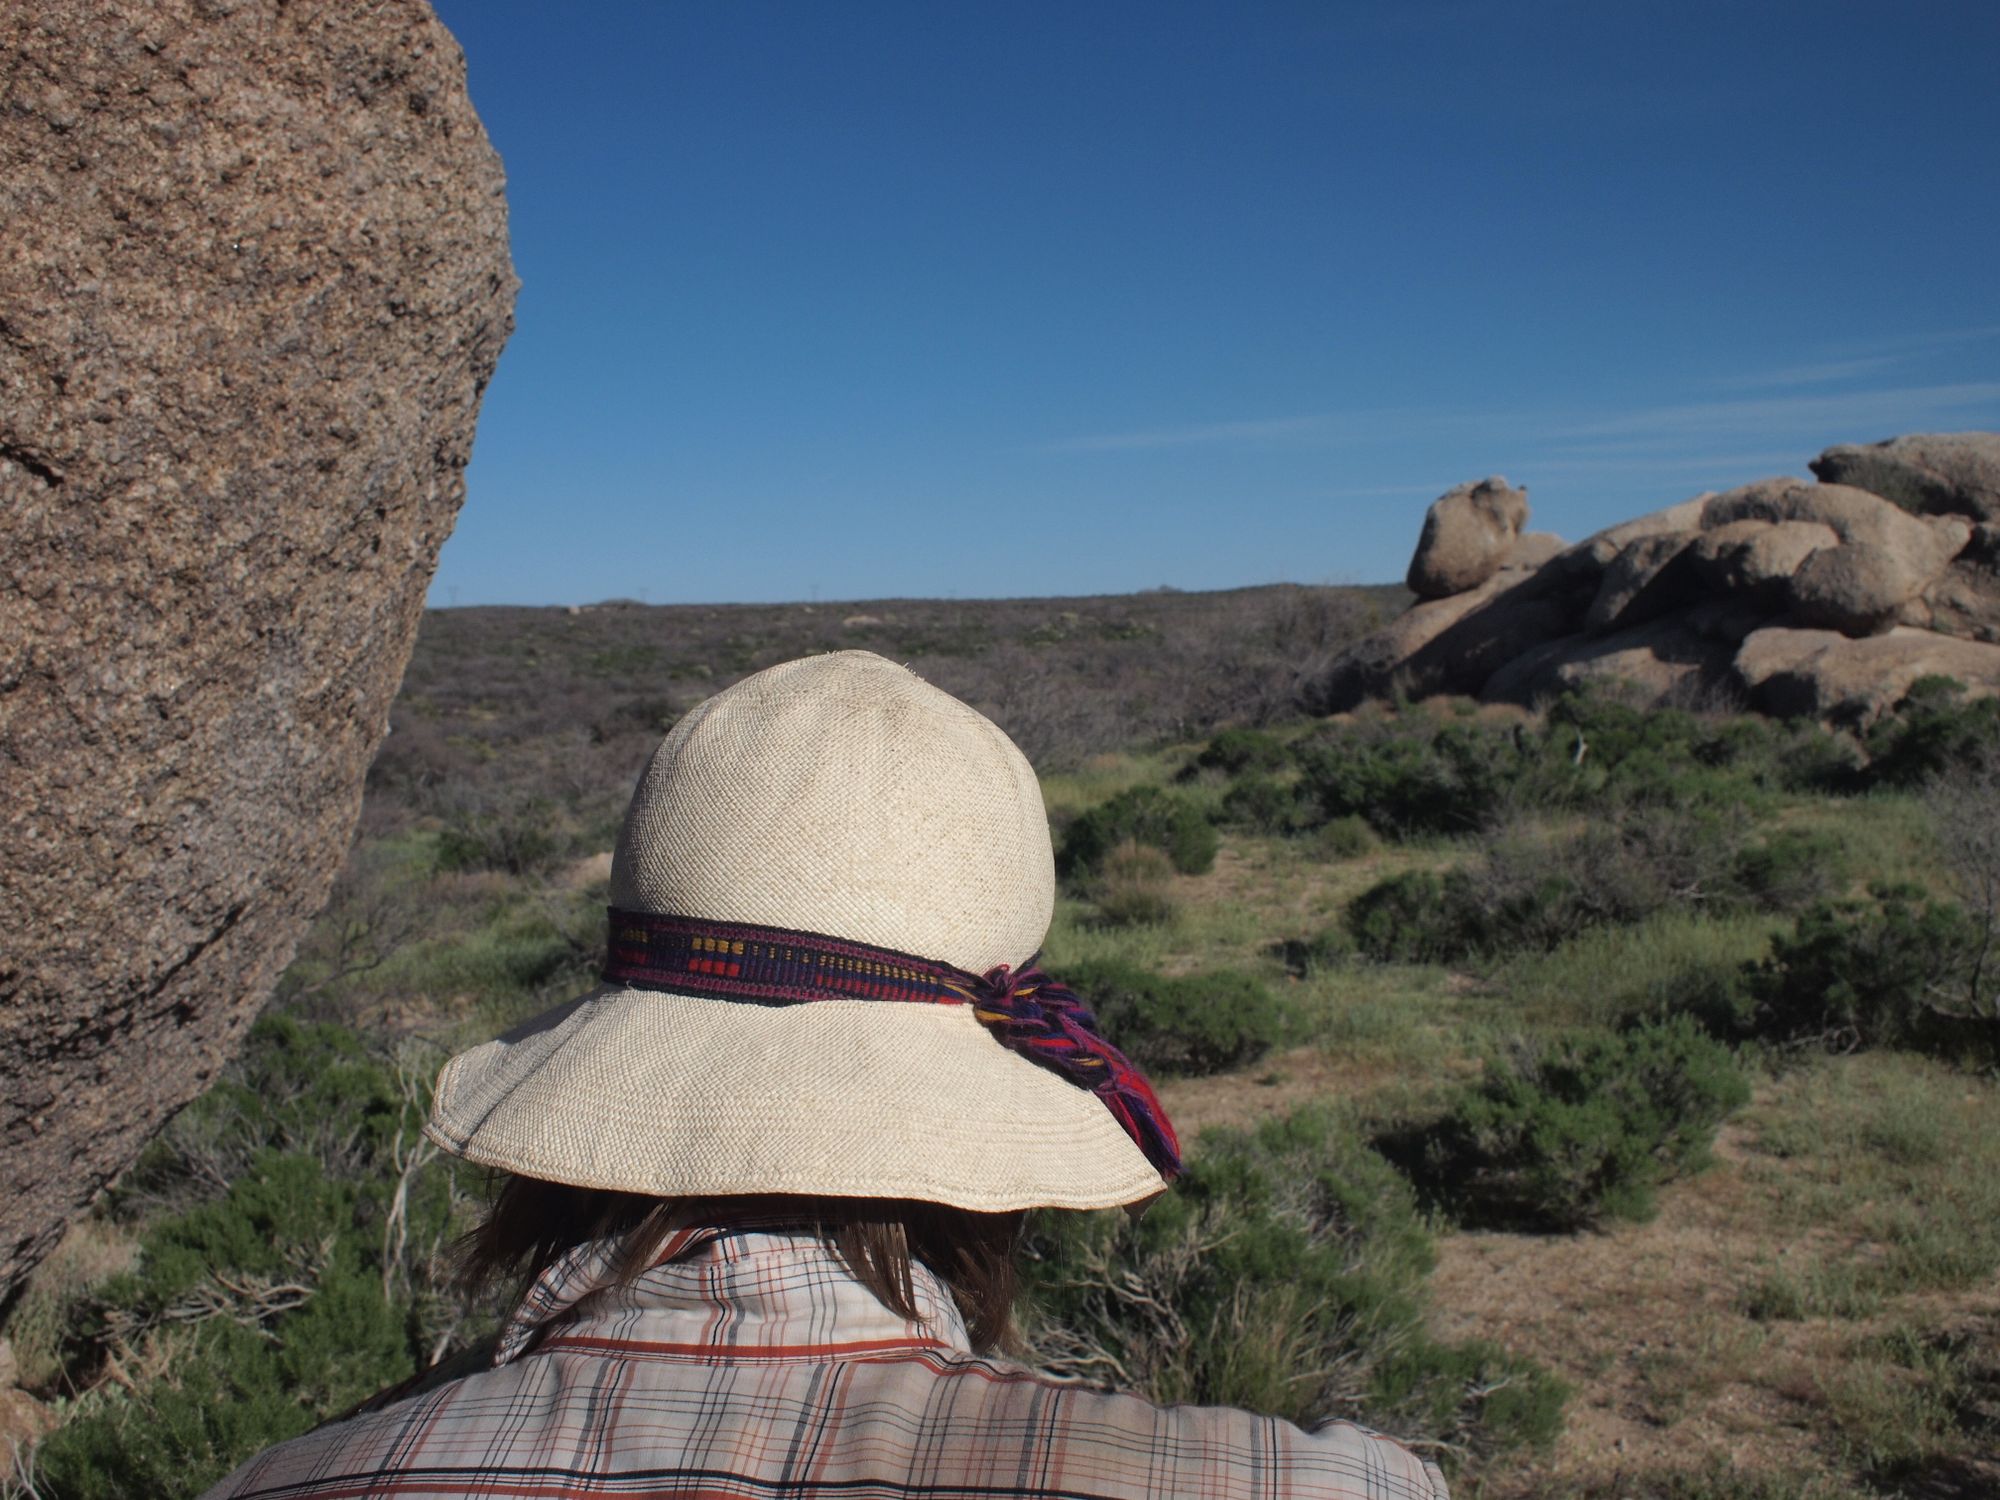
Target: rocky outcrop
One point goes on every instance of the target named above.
(256, 280)
(1824, 675)
(1825, 599)
(1939, 473)
(1663, 659)
(1468, 534)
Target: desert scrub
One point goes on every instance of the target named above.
(1285, 1273)
(1351, 837)
(1675, 961)
(1528, 890)
(1187, 1024)
(1931, 731)
(292, 1262)
(1903, 1154)
(1169, 821)
(1891, 971)
(1912, 1399)
(1134, 886)
(1569, 1134)
(1263, 805)
(1235, 751)
(1426, 780)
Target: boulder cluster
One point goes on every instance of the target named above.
(1823, 599)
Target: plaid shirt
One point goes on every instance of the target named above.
(748, 1365)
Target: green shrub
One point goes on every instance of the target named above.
(1305, 957)
(1187, 1024)
(1235, 751)
(1147, 815)
(524, 840)
(1259, 803)
(1531, 893)
(1793, 868)
(1404, 920)
(1933, 729)
(1863, 973)
(294, 1264)
(1284, 1274)
(1583, 1130)
(1134, 888)
(1447, 779)
(1351, 837)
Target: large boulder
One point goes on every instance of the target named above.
(1468, 534)
(1368, 668)
(1661, 661)
(1756, 558)
(1824, 675)
(256, 280)
(1649, 577)
(1587, 560)
(1933, 473)
(1964, 600)
(1853, 516)
(1856, 589)
(1532, 549)
(1444, 645)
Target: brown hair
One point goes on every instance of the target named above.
(532, 1222)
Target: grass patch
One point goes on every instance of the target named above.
(1610, 975)
(1898, 1153)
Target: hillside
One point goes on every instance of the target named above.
(1602, 1099)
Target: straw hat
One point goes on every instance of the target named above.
(837, 795)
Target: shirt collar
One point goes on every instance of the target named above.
(726, 1291)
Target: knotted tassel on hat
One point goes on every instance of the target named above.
(1048, 1023)
(1024, 1009)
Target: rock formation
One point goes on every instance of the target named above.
(256, 280)
(1823, 599)
(1468, 534)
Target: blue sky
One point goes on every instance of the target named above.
(864, 300)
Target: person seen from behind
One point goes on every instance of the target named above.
(766, 1183)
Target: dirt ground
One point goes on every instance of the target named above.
(1646, 1322)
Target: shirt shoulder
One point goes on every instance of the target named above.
(1003, 1423)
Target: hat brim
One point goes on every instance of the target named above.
(677, 1096)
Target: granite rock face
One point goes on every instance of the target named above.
(1937, 473)
(255, 282)
(1825, 599)
(1468, 534)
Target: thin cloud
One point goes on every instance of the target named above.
(1824, 373)
(1879, 409)
(1394, 423)
(1730, 463)
(1206, 432)
(1866, 358)
(1918, 343)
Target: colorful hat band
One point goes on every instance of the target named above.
(1024, 1009)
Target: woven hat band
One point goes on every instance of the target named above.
(1023, 1009)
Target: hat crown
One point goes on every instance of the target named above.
(842, 794)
